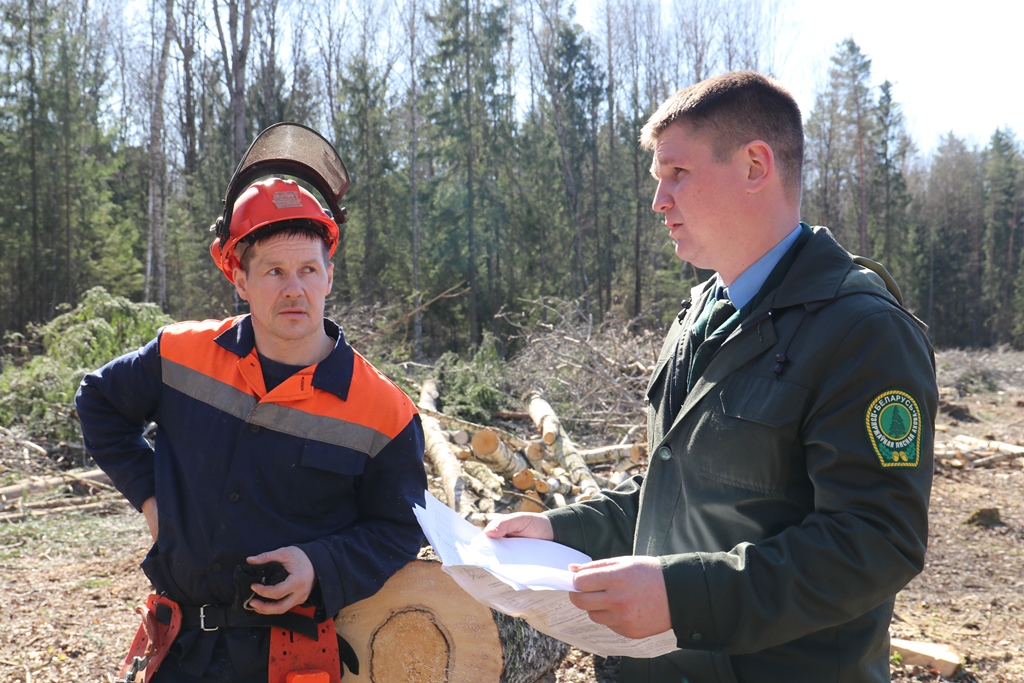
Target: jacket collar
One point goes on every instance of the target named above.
(816, 274)
(333, 374)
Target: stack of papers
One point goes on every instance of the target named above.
(525, 578)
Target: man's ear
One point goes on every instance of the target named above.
(760, 161)
(240, 283)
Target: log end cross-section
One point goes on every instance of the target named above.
(422, 628)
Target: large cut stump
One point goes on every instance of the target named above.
(422, 628)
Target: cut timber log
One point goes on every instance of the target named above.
(561, 485)
(933, 656)
(543, 415)
(593, 456)
(437, 448)
(569, 457)
(535, 453)
(527, 479)
(531, 502)
(422, 628)
(1003, 451)
(485, 476)
(994, 446)
(488, 448)
(566, 452)
(94, 478)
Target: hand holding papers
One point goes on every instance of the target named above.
(525, 578)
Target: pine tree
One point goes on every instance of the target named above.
(1003, 215)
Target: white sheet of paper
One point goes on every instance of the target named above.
(525, 578)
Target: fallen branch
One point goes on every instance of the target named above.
(13, 492)
(36, 447)
(15, 516)
(445, 294)
(993, 459)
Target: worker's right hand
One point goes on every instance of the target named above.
(150, 513)
(521, 525)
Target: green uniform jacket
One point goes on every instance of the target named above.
(783, 528)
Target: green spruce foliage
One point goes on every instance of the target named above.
(37, 391)
(475, 387)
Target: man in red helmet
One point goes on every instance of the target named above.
(282, 478)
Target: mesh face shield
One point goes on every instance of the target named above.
(288, 149)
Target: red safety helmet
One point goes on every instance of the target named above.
(266, 202)
(284, 148)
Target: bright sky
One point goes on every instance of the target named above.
(956, 66)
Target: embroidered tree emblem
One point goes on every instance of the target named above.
(896, 425)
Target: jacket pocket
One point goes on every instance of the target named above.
(768, 402)
(751, 439)
(327, 477)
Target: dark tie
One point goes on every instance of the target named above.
(710, 331)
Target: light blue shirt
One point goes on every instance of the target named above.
(749, 282)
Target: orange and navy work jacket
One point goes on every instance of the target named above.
(330, 460)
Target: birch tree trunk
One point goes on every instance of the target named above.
(156, 266)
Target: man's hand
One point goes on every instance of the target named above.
(626, 594)
(150, 513)
(521, 525)
(292, 591)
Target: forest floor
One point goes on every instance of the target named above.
(69, 582)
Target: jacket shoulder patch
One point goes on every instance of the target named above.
(893, 421)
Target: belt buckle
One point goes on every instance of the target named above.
(202, 619)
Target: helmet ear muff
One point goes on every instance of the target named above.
(222, 232)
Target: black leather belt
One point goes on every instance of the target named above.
(215, 617)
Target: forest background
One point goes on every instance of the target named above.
(492, 149)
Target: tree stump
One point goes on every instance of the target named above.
(422, 628)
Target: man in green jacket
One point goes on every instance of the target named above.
(790, 426)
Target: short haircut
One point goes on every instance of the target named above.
(733, 109)
(298, 227)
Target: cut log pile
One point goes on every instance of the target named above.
(481, 470)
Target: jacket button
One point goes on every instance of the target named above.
(255, 429)
(234, 497)
(665, 453)
(215, 567)
(696, 637)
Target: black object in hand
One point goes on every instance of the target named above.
(267, 574)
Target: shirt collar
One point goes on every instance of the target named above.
(333, 374)
(743, 289)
